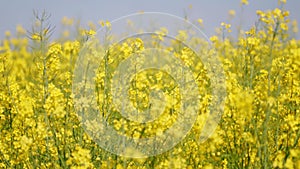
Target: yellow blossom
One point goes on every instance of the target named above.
(244, 2)
(231, 13)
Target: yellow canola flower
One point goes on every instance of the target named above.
(284, 26)
(67, 21)
(7, 33)
(260, 13)
(213, 38)
(244, 2)
(91, 32)
(276, 12)
(226, 26)
(200, 21)
(231, 13)
(36, 36)
(295, 26)
(104, 23)
(253, 41)
(20, 30)
(282, 1)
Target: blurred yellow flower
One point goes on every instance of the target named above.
(284, 26)
(36, 36)
(231, 13)
(244, 2)
(200, 21)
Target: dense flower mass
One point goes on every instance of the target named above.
(260, 126)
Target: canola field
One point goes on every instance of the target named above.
(259, 126)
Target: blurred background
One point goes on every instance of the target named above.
(212, 12)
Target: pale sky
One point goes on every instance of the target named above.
(213, 12)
